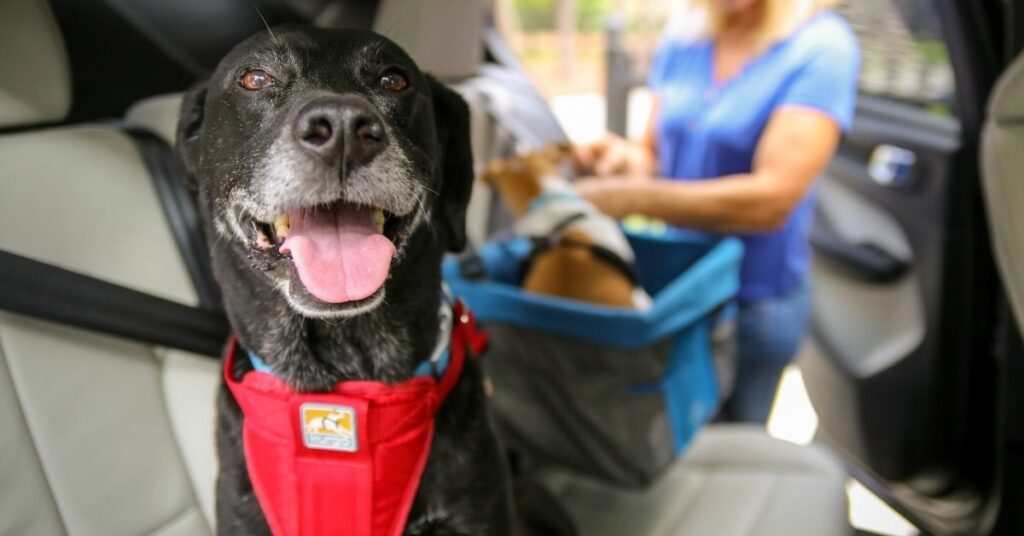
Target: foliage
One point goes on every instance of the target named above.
(591, 14)
(539, 15)
(933, 51)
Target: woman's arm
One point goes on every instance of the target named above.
(795, 147)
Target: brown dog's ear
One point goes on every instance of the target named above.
(451, 116)
(190, 126)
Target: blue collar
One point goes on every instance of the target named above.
(427, 367)
(434, 365)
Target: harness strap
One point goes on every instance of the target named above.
(348, 461)
(606, 255)
(543, 244)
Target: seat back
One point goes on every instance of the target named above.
(1002, 162)
(98, 435)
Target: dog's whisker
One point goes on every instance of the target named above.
(395, 23)
(262, 18)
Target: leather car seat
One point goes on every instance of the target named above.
(1001, 163)
(98, 435)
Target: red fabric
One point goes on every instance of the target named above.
(307, 491)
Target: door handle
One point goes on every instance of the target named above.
(892, 166)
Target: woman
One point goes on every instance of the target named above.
(746, 116)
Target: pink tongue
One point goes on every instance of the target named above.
(338, 253)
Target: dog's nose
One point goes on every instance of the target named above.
(343, 127)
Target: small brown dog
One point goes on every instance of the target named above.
(579, 253)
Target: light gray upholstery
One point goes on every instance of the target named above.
(733, 481)
(35, 81)
(157, 114)
(26, 502)
(96, 418)
(1002, 160)
(190, 385)
(98, 436)
(106, 436)
(81, 197)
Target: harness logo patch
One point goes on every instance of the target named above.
(329, 427)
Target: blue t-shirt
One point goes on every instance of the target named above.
(706, 130)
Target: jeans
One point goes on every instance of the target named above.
(769, 333)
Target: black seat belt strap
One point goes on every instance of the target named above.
(47, 292)
(180, 210)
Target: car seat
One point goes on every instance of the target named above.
(1001, 162)
(98, 434)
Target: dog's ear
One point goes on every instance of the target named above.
(451, 116)
(190, 126)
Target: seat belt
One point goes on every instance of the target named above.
(51, 293)
(47, 292)
(180, 210)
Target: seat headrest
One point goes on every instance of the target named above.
(444, 37)
(1007, 100)
(35, 80)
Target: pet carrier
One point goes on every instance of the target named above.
(613, 393)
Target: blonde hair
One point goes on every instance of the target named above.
(705, 19)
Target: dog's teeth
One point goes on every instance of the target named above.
(282, 225)
(378, 218)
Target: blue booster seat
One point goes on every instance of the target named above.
(613, 393)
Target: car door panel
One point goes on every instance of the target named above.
(875, 332)
(904, 294)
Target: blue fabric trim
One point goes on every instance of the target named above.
(691, 391)
(549, 197)
(425, 368)
(706, 276)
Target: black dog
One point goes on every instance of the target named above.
(332, 147)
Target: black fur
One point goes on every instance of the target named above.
(225, 136)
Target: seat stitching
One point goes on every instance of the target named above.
(753, 467)
(760, 512)
(688, 509)
(175, 518)
(28, 427)
(162, 362)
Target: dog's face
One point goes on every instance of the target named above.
(319, 154)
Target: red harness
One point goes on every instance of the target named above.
(348, 461)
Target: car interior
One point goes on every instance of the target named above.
(106, 418)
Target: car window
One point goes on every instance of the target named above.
(564, 46)
(904, 55)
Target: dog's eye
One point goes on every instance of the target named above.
(255, 79)
(393, 82)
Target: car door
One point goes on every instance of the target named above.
(902, 371)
